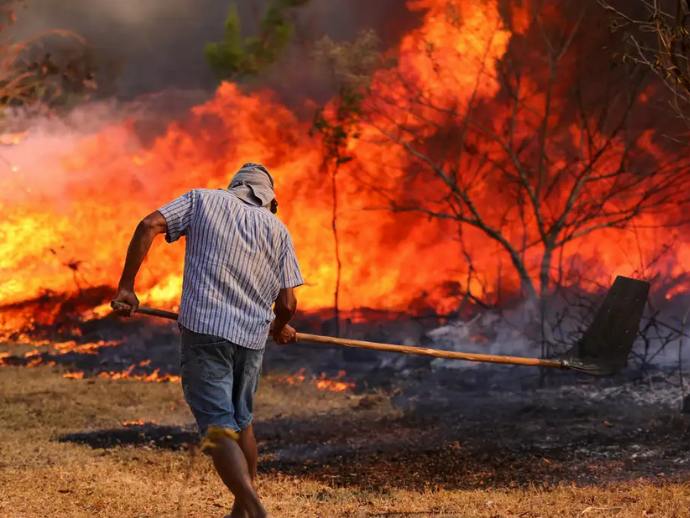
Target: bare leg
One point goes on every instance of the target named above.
(232, 468)
(247, 443)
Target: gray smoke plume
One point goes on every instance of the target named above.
(142, 46)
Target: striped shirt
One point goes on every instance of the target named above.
(237, 258)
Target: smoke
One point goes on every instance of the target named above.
(147, 46)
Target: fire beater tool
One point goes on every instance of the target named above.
(602, 350)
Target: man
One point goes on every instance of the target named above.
(239, 262)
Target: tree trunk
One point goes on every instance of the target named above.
(336, 249)
(526, 284)
(544, 282)
(544, 271)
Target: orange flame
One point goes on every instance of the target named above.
(85, 348)
(12, 139)
(135, 422)
(36, 357)
(68, 217)
(337, 384)
(333, 385)
(294, 379)
(128, 374)
(154, 377)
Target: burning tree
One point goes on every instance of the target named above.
(337, 123)
(520, 147)
(657, 34)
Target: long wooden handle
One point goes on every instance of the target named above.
(436, 353)
(394, 348)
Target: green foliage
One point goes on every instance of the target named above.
(352, 65)
(337, 129)
(237, 56)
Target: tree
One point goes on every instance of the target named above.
(658, 36)
(548, 160)
(35, 78)
(238, 56)
(519, 147)
(46, 70)
(351, 65)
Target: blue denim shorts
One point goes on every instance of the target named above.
(219, 380)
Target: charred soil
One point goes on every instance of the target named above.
(423, 437)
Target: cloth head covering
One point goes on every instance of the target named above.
(253, 184)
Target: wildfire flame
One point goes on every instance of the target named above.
(135, 422)
(37, 357)
(293, 379)
(154, 377)
(336, 384)
(11, 139)
(127, 374)
(68, 217)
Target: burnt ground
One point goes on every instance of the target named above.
(412, 423)
(497, 441)
(571, 433)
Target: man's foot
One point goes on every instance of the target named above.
(241, 514)
(237, 511)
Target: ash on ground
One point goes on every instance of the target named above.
(414, 421)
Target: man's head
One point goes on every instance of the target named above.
(253, 184)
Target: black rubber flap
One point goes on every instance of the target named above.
(609, 339)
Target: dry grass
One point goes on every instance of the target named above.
(40, 476)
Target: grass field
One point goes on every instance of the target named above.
(44, 475)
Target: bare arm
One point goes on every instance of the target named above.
(147, 229)
(284, 309)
